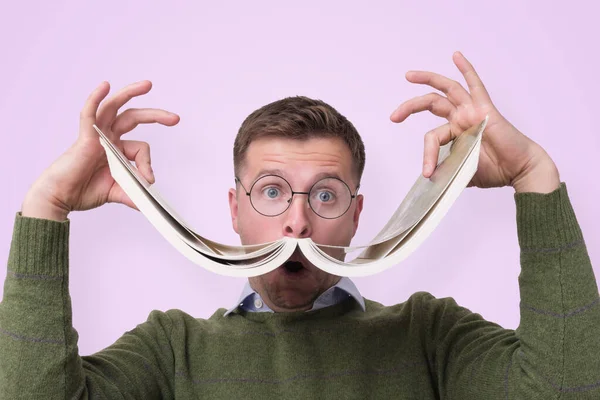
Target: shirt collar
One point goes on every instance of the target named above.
(251, 300)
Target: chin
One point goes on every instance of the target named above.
(291, 287)
(295, 285)
(293, 303)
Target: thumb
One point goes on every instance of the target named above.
(117, 195)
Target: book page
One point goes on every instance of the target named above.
(418, 214)
(426, 191)
(379, 259)
(121, 165)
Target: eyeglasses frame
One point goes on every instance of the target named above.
(248, 193)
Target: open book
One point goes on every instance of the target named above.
(419, 213)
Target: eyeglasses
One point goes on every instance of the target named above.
(271, 195)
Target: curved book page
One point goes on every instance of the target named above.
(385, 255)
(416, 217)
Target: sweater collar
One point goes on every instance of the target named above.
(251, 301)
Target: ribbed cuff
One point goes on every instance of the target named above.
(39, 247)
(546, 221)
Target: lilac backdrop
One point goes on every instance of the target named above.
(214, 64)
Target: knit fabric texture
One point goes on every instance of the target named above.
(424, 348)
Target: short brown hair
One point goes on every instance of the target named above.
(298, 118)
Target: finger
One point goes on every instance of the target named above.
(108, 111)
(88, 113)
(132, 117)
(140, 153)
(117, 195)
(433, 140)
(437, 104)
(452, 89)
(478, 91)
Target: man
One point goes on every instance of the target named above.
(299, 332)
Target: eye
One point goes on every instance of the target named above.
(271, 192)
(325, 196)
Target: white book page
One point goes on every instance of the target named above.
(370, 266)
(417, 215)
(145, 189)
(424, 193)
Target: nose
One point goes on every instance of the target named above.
(297, 223)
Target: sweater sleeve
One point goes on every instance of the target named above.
(555, 351)
(38, 344)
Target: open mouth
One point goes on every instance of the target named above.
(293, 266)
(293, 269)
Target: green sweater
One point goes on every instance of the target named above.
(424, 348)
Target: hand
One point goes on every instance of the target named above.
(80, 178)
(507, 156)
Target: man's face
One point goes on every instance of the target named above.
(301, 163)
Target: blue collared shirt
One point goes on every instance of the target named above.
(252, 302)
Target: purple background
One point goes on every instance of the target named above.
(214, 64)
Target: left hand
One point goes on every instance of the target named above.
(507, 156)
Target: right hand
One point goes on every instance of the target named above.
(80, 178)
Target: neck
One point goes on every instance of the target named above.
(281, 307)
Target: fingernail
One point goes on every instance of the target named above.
(426, 169)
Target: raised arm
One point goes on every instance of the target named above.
(555, 352)
(38, 344)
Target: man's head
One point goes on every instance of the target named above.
(313, 148)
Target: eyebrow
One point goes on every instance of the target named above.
(276, 171)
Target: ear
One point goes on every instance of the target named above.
(233, 208)
(357, 211)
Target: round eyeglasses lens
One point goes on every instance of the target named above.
(270, 195)
(330, 198)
